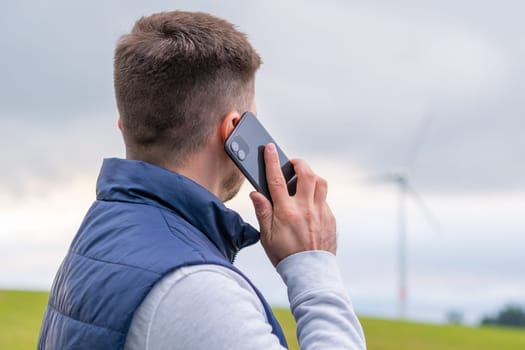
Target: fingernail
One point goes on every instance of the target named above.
(271, 147)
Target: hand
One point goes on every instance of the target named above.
(295, 223)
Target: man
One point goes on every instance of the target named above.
(151, 266)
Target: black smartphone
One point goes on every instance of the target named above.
(245, 146)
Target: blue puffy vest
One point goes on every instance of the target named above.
(146, 222)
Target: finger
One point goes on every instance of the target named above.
(306, 180)
(263, 211)
(321, 190)
(274, 174)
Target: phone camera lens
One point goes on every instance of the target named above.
(241, 154)
(234, 146)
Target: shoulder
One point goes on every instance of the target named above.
(193, 302)
(203, 278)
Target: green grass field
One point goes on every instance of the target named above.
(21, 313)
(20, 316)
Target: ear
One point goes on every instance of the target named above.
(227, 124)
(120, 124)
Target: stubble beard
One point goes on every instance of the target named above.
(232, 184)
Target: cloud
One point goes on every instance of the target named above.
(348, 81)
(360, 80)
(58, 63)
(41, 155)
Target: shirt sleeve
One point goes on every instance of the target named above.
(319, 302)
(212, 307)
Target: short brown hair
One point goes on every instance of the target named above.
(176, 74)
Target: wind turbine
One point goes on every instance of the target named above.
(401, 179)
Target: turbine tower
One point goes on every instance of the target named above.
(401, 179)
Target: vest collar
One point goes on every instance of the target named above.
(141, 182)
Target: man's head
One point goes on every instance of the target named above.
(177, 74)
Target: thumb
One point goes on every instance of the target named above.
(263, 211)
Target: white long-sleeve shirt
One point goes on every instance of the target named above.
(212, 307)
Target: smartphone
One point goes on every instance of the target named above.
(245, 146)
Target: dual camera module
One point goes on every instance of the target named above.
(239, 148)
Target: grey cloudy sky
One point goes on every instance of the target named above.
(345, 84)
(350, 80)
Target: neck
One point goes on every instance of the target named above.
(203, 167)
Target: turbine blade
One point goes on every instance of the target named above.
(379, 179)
(419, 139)
(427, 214)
